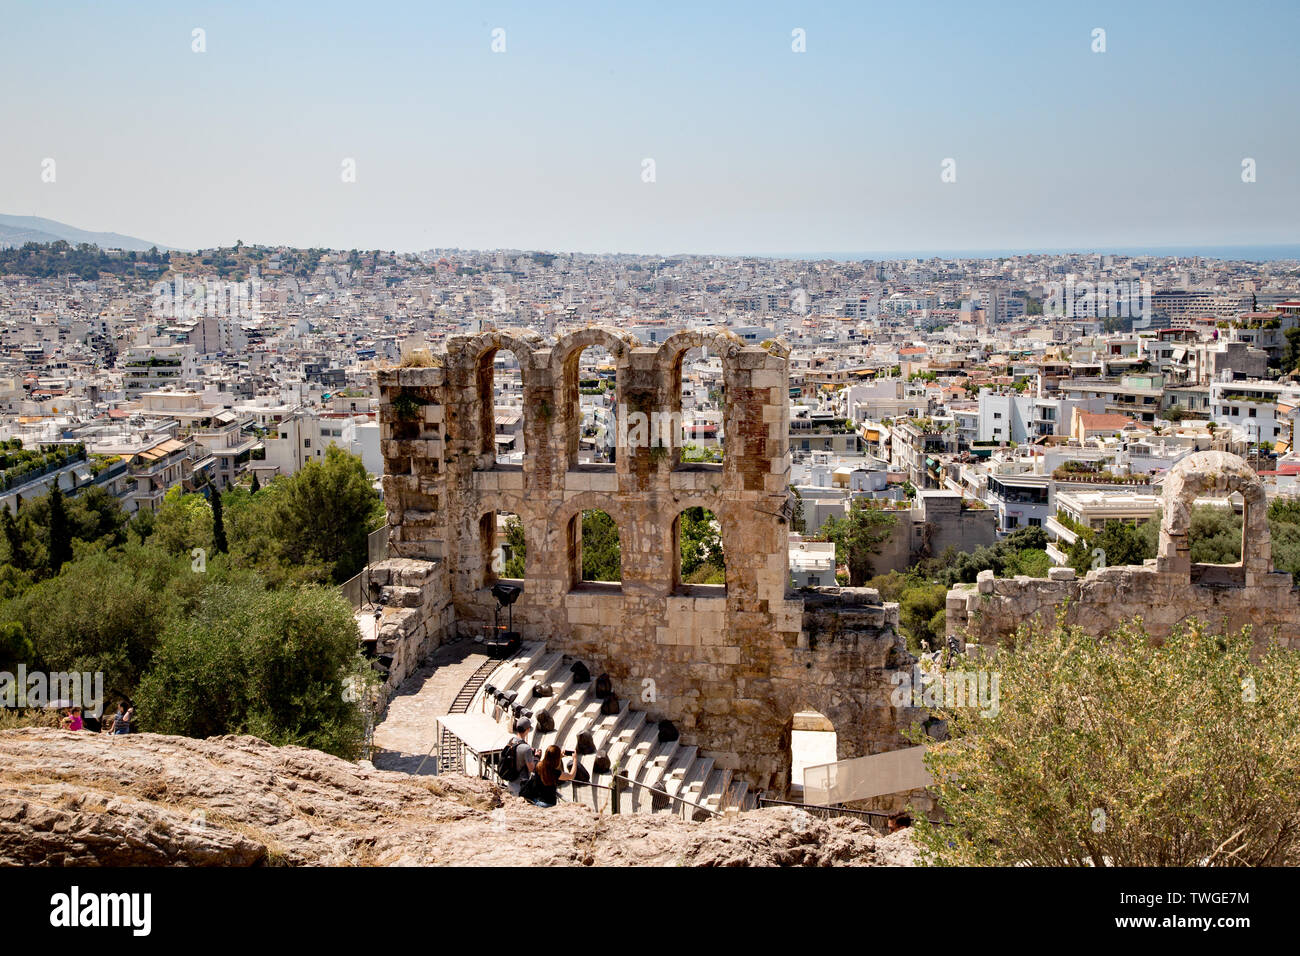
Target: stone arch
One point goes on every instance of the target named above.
(726, 532)
(722, 340)
(478, 354)
(522, 343)
(668, 366)
(568, 519)
(800, 737)
(1213, 471)
(616, 341)
(564, 373)
(839, 705)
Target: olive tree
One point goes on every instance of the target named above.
(1123, 751)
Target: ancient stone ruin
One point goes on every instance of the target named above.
(1165, 592)
(729, 664)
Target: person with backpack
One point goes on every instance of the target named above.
(517, 759)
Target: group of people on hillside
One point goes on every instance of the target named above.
(121, 722)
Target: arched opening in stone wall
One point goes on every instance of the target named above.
(504, 547)
(812, 742)
(591, 396)
(1214, 531)
(501, 408)
(699, 558)
(595, 548)
(1214, 474)
(696, 410)
(512, 546)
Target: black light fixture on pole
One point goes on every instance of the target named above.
(506, 595)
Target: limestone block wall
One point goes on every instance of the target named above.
(729, 664)
(417, 614)
(1108, 596)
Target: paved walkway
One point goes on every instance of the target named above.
(408, 730)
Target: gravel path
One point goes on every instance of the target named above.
(408, 729)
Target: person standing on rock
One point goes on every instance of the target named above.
(118, 723)
(73, 721)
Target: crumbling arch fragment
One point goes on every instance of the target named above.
(1213, 472)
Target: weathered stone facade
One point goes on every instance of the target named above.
(729, 664)
(416, 614)
(1165, 592)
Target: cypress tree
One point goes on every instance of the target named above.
(60, 531)
(218, 525)
(14, 538)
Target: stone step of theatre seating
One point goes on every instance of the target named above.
(629, 736)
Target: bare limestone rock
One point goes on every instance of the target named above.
(145, 799)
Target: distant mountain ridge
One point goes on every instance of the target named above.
(15, 230)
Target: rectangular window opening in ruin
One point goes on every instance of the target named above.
(596, 559)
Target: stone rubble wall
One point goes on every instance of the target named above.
(1164, 593)
(994, 608)
(417, 615)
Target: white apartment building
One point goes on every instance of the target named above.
(304, 436)
(152, 367)
(878, 400)
(1021, 501)
(223, 439)
(155, 462)
(1251, 406)
(1012, 417)
(812, 563)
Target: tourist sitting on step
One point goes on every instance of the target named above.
(525, 756)
(542, 788)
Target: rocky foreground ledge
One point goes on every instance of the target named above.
(80, 799)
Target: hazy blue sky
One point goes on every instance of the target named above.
(757, 149)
